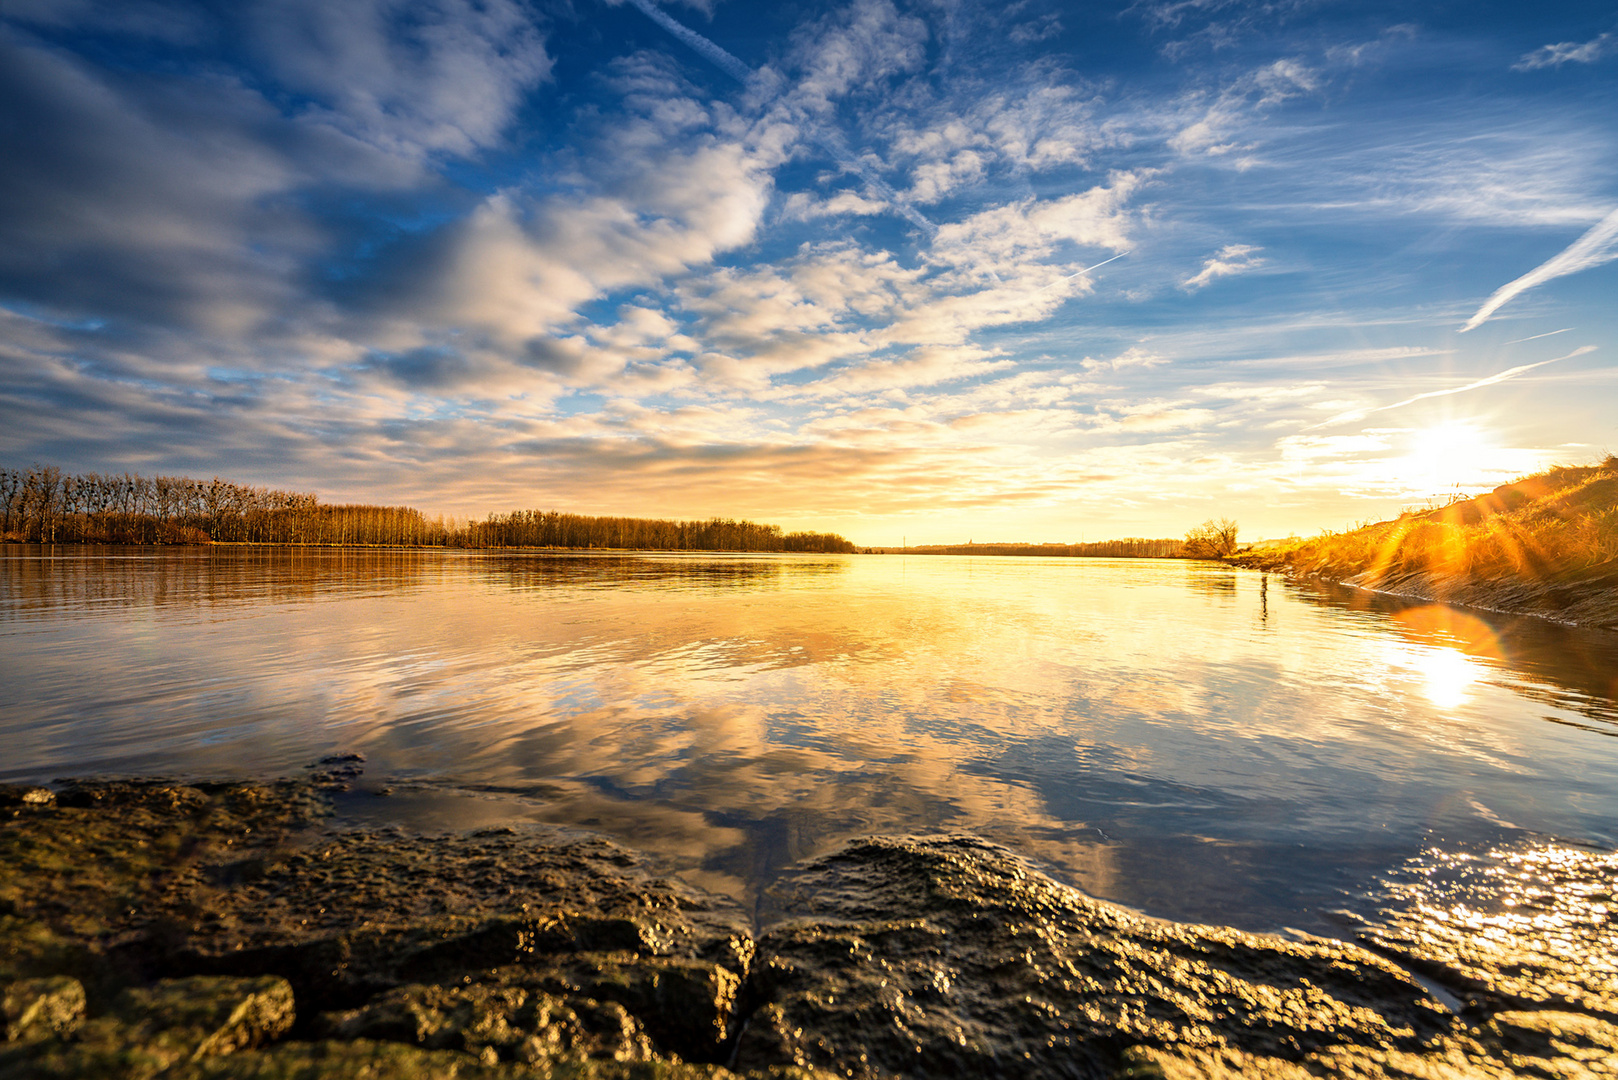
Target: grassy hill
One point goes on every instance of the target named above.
(1543, 545)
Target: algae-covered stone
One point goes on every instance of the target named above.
(39, 1008)
(592, 1005)
(161, 796)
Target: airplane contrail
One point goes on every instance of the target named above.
(1086, 270)
(710, 51)
(739, 71)
(1536, 337)
(1595, 247)
(1509, 373)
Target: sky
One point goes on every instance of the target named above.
(931, 270)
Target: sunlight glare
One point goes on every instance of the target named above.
(1445, 457)
(1447, 676)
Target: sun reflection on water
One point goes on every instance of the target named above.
(1447, 677)
(1532, 923)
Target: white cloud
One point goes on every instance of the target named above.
(935, 179)
(854, 50)
(406, 75)
(1214, 128)
(520, 266)
(1133, 357)
(1004, 237)
(923, 367)
(1568, 52)
(1231, 259)
(802, 206)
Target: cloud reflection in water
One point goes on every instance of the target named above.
(1163, 734)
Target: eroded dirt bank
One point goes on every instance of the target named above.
(151, 928)
(1589, 601)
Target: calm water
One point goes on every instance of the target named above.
(1198, 742)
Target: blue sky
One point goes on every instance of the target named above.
(818, 263)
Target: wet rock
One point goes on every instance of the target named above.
(25, 796)
(366, 1060)
(193, 915)
(495, 1022)
(162, 796)
(202, 1016)
(951, 957)
(355, 1060)
(40, 1008)
(1151, 1063)
(336, 772)
(148, 1030)
(1556, 1044)
(688, 1007)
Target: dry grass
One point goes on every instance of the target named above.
(1558, 526)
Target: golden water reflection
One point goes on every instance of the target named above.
(1200, 742)
(1531, 923)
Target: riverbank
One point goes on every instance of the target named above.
(1546, 545)
(153, 928)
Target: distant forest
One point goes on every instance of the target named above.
(1131, 547)
(45, 505)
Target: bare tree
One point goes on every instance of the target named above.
(1212, 539)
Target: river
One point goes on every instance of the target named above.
(1197, 742)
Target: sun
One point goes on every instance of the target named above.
(1445, 457)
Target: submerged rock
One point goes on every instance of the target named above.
(221, 930)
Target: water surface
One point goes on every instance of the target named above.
(1199, 742)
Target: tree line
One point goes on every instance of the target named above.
(45, 505)
(534, 528)
(1130, 547)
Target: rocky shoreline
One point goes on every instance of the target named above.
(157, 928)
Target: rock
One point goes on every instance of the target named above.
(335, 772)
(162, 796)
(362, 1059)
(39, 1008)
(1149, 1063)
(192, 916)
(202, 1015)
(1556, 1043)
(589, 1005)
(951, 957)
(148, 1030)
(25, 796)
(498, 1021)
